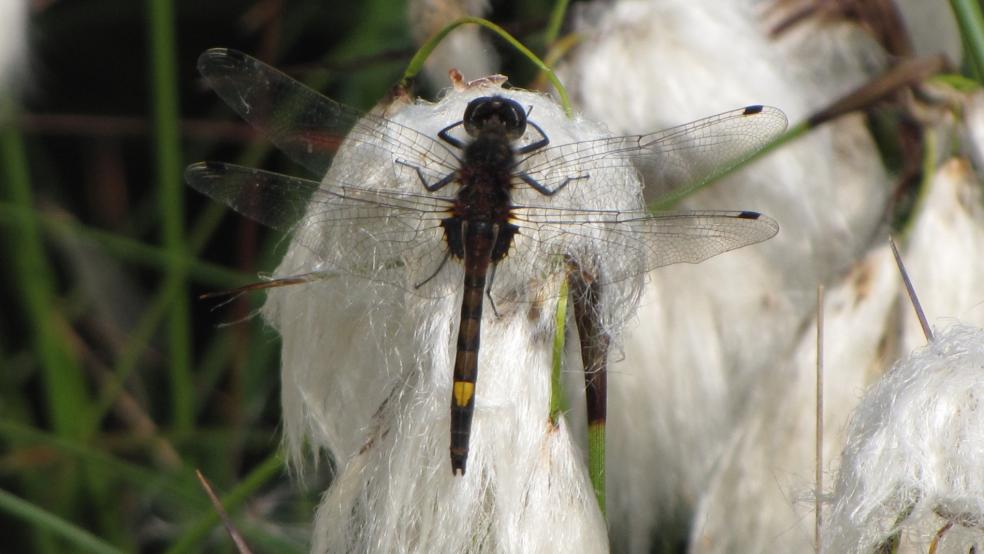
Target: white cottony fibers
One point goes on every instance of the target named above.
(13, 39)
(769, 460)
(525, 489)
(974, 131)
(941, 251)
(948, 226)
(915, 446)
(932, 30)
(367, 365)
(708, 335)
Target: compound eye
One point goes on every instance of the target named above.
(495, 112)
(514, 119)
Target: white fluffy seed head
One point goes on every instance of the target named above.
(915, 446)
(769, 462)
(367, 365)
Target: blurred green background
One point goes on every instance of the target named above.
(117, 382)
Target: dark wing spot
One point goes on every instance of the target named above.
(752, 110)
(218, 168)
(749, 215)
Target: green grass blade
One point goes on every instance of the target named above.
(557, 400)
(971, 21)
(63, 386)
(61, 377)
(596, 462)
(556, 21)
(34, 515)
(170, 186)
(179, 488)
(127, 249)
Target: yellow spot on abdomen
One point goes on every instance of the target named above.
(463, 391)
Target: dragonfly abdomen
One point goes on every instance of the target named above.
(479, 238)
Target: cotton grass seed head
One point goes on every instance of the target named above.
(915, 447)
(367, 363)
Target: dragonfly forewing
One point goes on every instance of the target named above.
(674, 161)
(306, 125)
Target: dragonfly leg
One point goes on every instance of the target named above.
(445, 135)
(534, 145)
(440, 266)
(488, 290)
(544, 190)
(430, 187)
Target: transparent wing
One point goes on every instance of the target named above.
(381, 235)
(673, 161)
(275, 200)
(632, 242)
(303, 123)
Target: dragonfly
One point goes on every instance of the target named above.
(483, 202)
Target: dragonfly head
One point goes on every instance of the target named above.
(495, 113)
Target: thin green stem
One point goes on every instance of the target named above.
(417, 62)
(167, 146)
(64, 390)
(61, 376)
(596, 462)
(79, 538)
(556, 21)
(557, 400)
(172, 298)
(971, 21)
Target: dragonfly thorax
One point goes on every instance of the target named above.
(490, 152)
